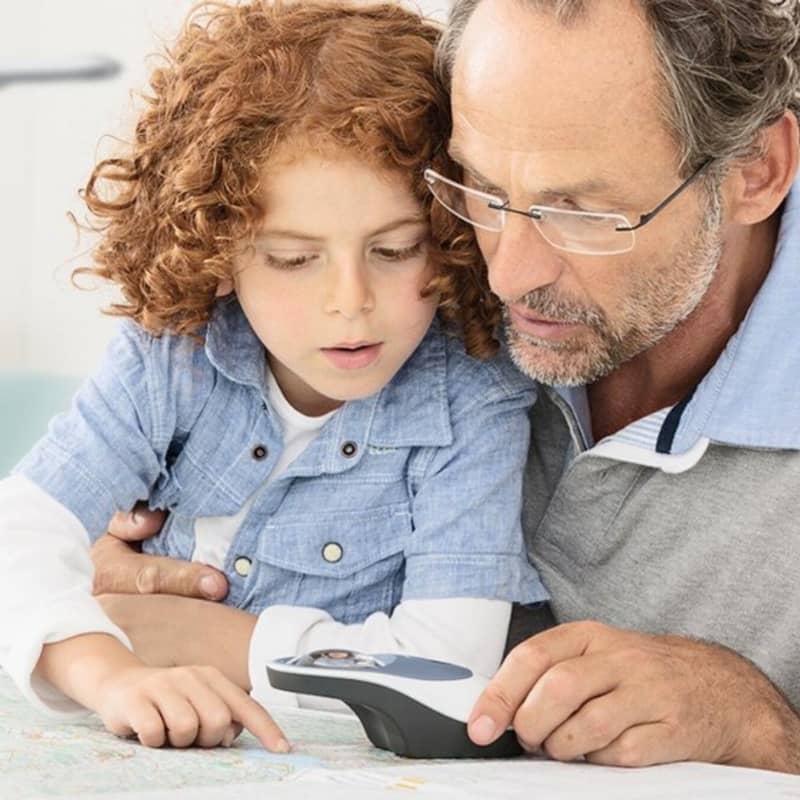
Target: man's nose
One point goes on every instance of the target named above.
(521, 260)
(349, 290)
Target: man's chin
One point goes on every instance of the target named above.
(558, 366)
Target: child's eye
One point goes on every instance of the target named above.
(399, 254)
(295, 262)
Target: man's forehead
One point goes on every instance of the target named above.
(477, 129)
(523, 79)
(496, 160)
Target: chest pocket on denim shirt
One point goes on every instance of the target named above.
(350, 563)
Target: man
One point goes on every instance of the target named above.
(627, 167)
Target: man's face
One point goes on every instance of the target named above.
(569, 117)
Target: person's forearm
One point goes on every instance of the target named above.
(466, 631)
(46, 592)
(166, 630)
(772, 740)
(80, 665)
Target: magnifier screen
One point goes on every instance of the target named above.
(342, 659)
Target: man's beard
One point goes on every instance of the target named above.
(653, 307)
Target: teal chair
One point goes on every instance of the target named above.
(27, 402)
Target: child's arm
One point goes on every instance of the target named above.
(168, 630)
(180, 706)
(466, 631)
(45, 546)
(105, 453)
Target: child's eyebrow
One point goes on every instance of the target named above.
(281, 233)
(400, 223)
(274, 233)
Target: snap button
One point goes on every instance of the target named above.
(242, 566)
(259, 452)
(332, 552)
(349, 449)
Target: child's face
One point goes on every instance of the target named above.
(332, 285)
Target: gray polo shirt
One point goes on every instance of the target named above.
(687, 521)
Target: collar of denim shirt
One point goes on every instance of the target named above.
(751, 396)
(412, 410)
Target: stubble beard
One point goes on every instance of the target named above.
(653, 307)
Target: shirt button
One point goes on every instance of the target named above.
(349, 449)
(332, 552)
(259, 452)
(242, 566)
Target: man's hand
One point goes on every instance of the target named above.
(632, 699)
(119, 568)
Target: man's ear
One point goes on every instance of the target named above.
(757, 187)
(224, 287)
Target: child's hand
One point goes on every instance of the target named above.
(182, 706)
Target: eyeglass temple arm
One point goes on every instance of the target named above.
(645, 218)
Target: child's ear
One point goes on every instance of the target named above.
(759, 186)
(224, 287)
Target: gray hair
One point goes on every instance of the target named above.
(729, 68)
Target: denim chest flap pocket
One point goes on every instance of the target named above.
(340, 544)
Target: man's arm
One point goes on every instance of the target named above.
(632, 699)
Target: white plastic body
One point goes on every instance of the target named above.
(454, 698)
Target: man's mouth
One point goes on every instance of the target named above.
(529, 323)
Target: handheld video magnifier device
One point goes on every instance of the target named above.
(415, 707)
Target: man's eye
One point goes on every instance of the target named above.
(399, 254)
(295, 262)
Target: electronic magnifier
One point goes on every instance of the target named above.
(413, 706)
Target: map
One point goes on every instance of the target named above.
(42, 757)
(332, 759)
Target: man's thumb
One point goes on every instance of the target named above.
(160, 575)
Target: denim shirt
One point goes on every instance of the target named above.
(411, 493)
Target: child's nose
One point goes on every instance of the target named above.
(350, 293)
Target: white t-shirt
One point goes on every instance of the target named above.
(213, 535)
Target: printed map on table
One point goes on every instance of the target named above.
(39, 756)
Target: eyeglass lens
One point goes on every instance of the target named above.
(576, 232)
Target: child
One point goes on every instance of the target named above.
(283, 384)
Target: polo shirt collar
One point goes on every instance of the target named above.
(749, 398)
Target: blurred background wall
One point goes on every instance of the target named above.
(50, 136)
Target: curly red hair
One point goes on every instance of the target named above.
(240, 81)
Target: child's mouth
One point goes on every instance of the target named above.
(353, 356)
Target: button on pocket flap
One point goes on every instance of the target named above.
(334, 545)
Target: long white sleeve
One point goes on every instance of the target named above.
(45, 587)
(466, 631)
